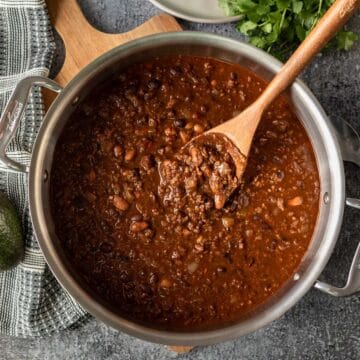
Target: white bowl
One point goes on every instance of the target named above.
(202, 11)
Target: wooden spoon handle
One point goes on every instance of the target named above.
(327, 27)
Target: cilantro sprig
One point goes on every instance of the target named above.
(278, 26)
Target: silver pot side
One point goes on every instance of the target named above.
(309, 111)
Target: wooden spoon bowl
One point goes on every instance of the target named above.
(241, 129)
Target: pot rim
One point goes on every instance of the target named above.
(309, 276)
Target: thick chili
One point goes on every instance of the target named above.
(134, 242)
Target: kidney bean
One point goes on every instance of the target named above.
(120, 203)
(139, 226)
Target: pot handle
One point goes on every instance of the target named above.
(13, 114)
(349, 142)
(353, 282)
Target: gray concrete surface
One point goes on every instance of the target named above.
(319, 326)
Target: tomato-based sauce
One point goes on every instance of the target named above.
(174, 258)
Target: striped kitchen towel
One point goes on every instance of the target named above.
(32, 303)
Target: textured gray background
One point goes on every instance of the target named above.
(319, 326)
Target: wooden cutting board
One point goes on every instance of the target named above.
(83, 43)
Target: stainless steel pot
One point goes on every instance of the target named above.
(317, 125)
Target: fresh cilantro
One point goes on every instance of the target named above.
(345, 40)
(278, 26)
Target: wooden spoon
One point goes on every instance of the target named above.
(241, 129)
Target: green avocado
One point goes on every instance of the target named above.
(11, 240)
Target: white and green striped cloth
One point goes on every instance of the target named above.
(32, 303)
